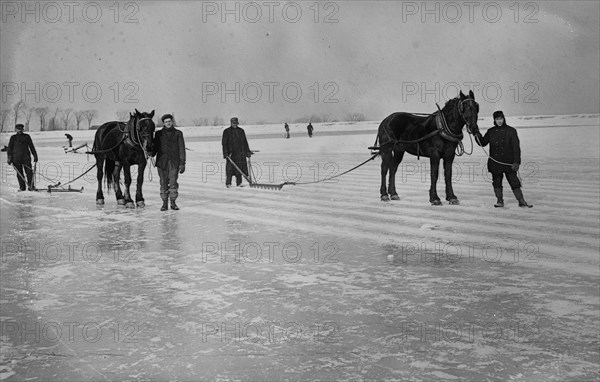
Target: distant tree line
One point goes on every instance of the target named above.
(49, 119)
(70, 119)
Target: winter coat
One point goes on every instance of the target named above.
(170, 147)
(235, 143)
(20, 149)
(504, 147)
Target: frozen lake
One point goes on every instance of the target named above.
(314, 282)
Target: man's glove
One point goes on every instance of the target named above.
(9, 163)
(35, 160)
(226, 155)
(181, 168)
(249, 154)
(515, 167)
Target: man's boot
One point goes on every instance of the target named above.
(173, 205)
(165, 205)
(500, 200)
(519, 195)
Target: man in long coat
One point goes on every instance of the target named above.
(235, 146)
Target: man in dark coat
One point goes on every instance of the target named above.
(20, 149)
(504, 158)
(235, 146)
(170, 160)
(287, 130)
(310, 129)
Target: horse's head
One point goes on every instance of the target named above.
(144, 130)
(468, 110)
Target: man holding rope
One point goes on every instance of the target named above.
(20, 149)
(504, 158)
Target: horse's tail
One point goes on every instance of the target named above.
(109, 167)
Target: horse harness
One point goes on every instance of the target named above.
(442, 129)
(133, 141)
(133, 138)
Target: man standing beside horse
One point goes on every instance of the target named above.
(504, 158)
(19, 151)
(170, 160)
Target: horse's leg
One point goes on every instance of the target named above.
(448, 179)
(99, 176)
(435, 169)
(396, 159)
(117, 183)
(127, 175)
(386, 158)
(139, 198)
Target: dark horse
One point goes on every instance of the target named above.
(435, 136)
(120, 144)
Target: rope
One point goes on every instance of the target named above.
(335, 176)
(497, 161)
(107, 150)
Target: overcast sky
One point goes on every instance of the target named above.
(278, 60)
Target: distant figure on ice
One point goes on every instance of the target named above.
(170, 160)
(20, 149)
(310, 129)
(505, 158)
(287, 131)
(236, 149)
(70, 138)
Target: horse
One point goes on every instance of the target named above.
(435, 136)
(120, 145)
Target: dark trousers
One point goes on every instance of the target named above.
(230, 171)
(21, 177)
(168, 181)
(511, 176)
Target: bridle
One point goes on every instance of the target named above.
(136, 137)
(461, 111)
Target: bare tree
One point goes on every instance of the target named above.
(325, 117)
(28, 115)
(123, 115)
(218, 121)
(355, 117)
(52, 123)
(4, 113)
(41, 112)
(79, 116)
(201, 121)
(17, 107)
(90, 115)
(66, 117)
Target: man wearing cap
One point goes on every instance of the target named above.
(20, 149)
(235, 146)
(170, 160)
(504, 158)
